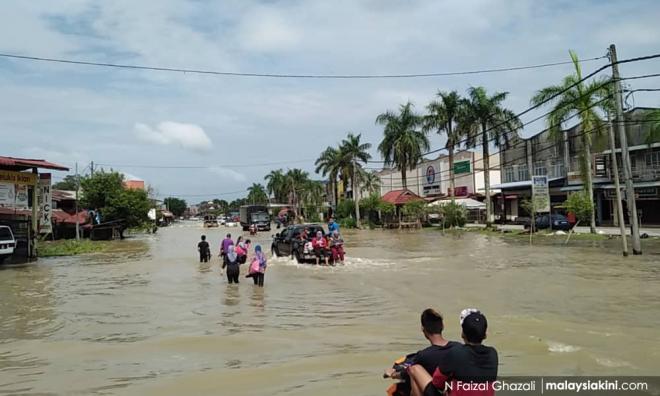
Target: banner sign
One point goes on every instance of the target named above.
(541, 193)
(21, 197)
(45, 197)
(7, 195)
(461, 167)
(20, 178)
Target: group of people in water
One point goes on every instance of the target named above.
(233, 255)
(325, 246)
(467, 368)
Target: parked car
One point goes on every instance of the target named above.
(557, 222)
(288, 243)
(7, 243)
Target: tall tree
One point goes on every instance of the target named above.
(574, 97)
(370, 182)
(354, 153)
(330, 163)
(257, 194)
(175, 205)
(485, 121)
(276, 185)
(403, 144)
(441, 117)
(68, 183)
(294, 182)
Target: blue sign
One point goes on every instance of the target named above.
(430, 175)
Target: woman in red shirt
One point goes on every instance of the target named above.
(320, 245)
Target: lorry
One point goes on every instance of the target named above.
(255, 214)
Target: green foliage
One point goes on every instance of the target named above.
(454, 215)
(68, 183)
(345, 209)
(105, 192)
(415, 209)
(236, 204)
(70, 247)
(371, 203)
(257, 194)
(386, 208)
(175, 205)
(348, 222)
(581, 204)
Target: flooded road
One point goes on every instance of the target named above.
(151, 320)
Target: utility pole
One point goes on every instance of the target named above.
(355, 195)
(91, 168)
(615, 170)
(625, 155)
(77, 217)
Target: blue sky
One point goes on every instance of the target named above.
(70, 114)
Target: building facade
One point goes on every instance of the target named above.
(431, 178)
(560, 160)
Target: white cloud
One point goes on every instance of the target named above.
(188, 136)
(267, 30)
(226, 173)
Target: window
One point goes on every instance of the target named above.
(653, 160)
(508, 174)
(539, 168)
(523, 174)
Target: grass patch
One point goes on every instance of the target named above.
(71, 247)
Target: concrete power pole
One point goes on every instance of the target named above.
(77, 217)
(356, 198)
(615, 170)
(625, 155)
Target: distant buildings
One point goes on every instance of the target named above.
(134, 184)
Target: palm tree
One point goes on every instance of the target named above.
(442, 118)
(484, 120)
(294, 182)
(370, 181)
(312, 196)
(403, 143)
(574, 97)
(257, 194)
(275, 185)
(352, 152)
(330, 163)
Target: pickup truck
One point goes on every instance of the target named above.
(7, 243)
(288, 243)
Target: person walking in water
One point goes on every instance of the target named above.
(233, 267)
(241, 250)
(224, 246)
(204, 250)
(258, 267)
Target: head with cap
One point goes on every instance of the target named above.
(474, 326)
(432, 323)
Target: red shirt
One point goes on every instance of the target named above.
(319, 243)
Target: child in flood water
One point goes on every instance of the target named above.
(232, 264)
(258, 267)
(204, 250)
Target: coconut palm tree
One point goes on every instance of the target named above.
(484, 121)
(275, 185)
(370, 182)
(353, 152)
(294, 182)
(441, 117)
(257, 194)
(403, 144)
(330, 163)
(573, 97)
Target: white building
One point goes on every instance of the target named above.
(431, 178)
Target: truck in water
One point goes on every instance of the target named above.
(255, 214)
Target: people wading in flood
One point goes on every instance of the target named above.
(241, 249)
(258, 267)
(232, 264)
(224, 246)
(320, 245)
(204, 250)
(337, 247)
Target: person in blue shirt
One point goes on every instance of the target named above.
(332, 226)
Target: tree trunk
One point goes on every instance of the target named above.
(403, 177)
(356, 196)
(588, 184)
(335, 191)
(452, 182)
(486, 163)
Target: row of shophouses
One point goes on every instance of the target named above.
(512, 167)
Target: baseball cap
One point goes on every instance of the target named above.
(474, 325)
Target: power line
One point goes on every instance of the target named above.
(277, 75)
(205, 166)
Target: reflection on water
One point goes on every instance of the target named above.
(160, 322)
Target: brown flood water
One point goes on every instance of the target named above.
(155, 321)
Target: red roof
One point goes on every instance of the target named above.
(400, 197)
(30, 163)
(134, 184)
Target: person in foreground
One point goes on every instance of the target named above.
(469, 369)
(432, 358)
(204, 250)
(257, 269)
(232, 264)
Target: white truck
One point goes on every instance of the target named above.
(7, 243)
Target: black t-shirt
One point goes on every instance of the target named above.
(434, 357)
(203, 246)
(468, 363)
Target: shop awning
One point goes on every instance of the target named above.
(518, 184)
(469, 203)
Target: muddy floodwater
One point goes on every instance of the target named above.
(149, 319)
